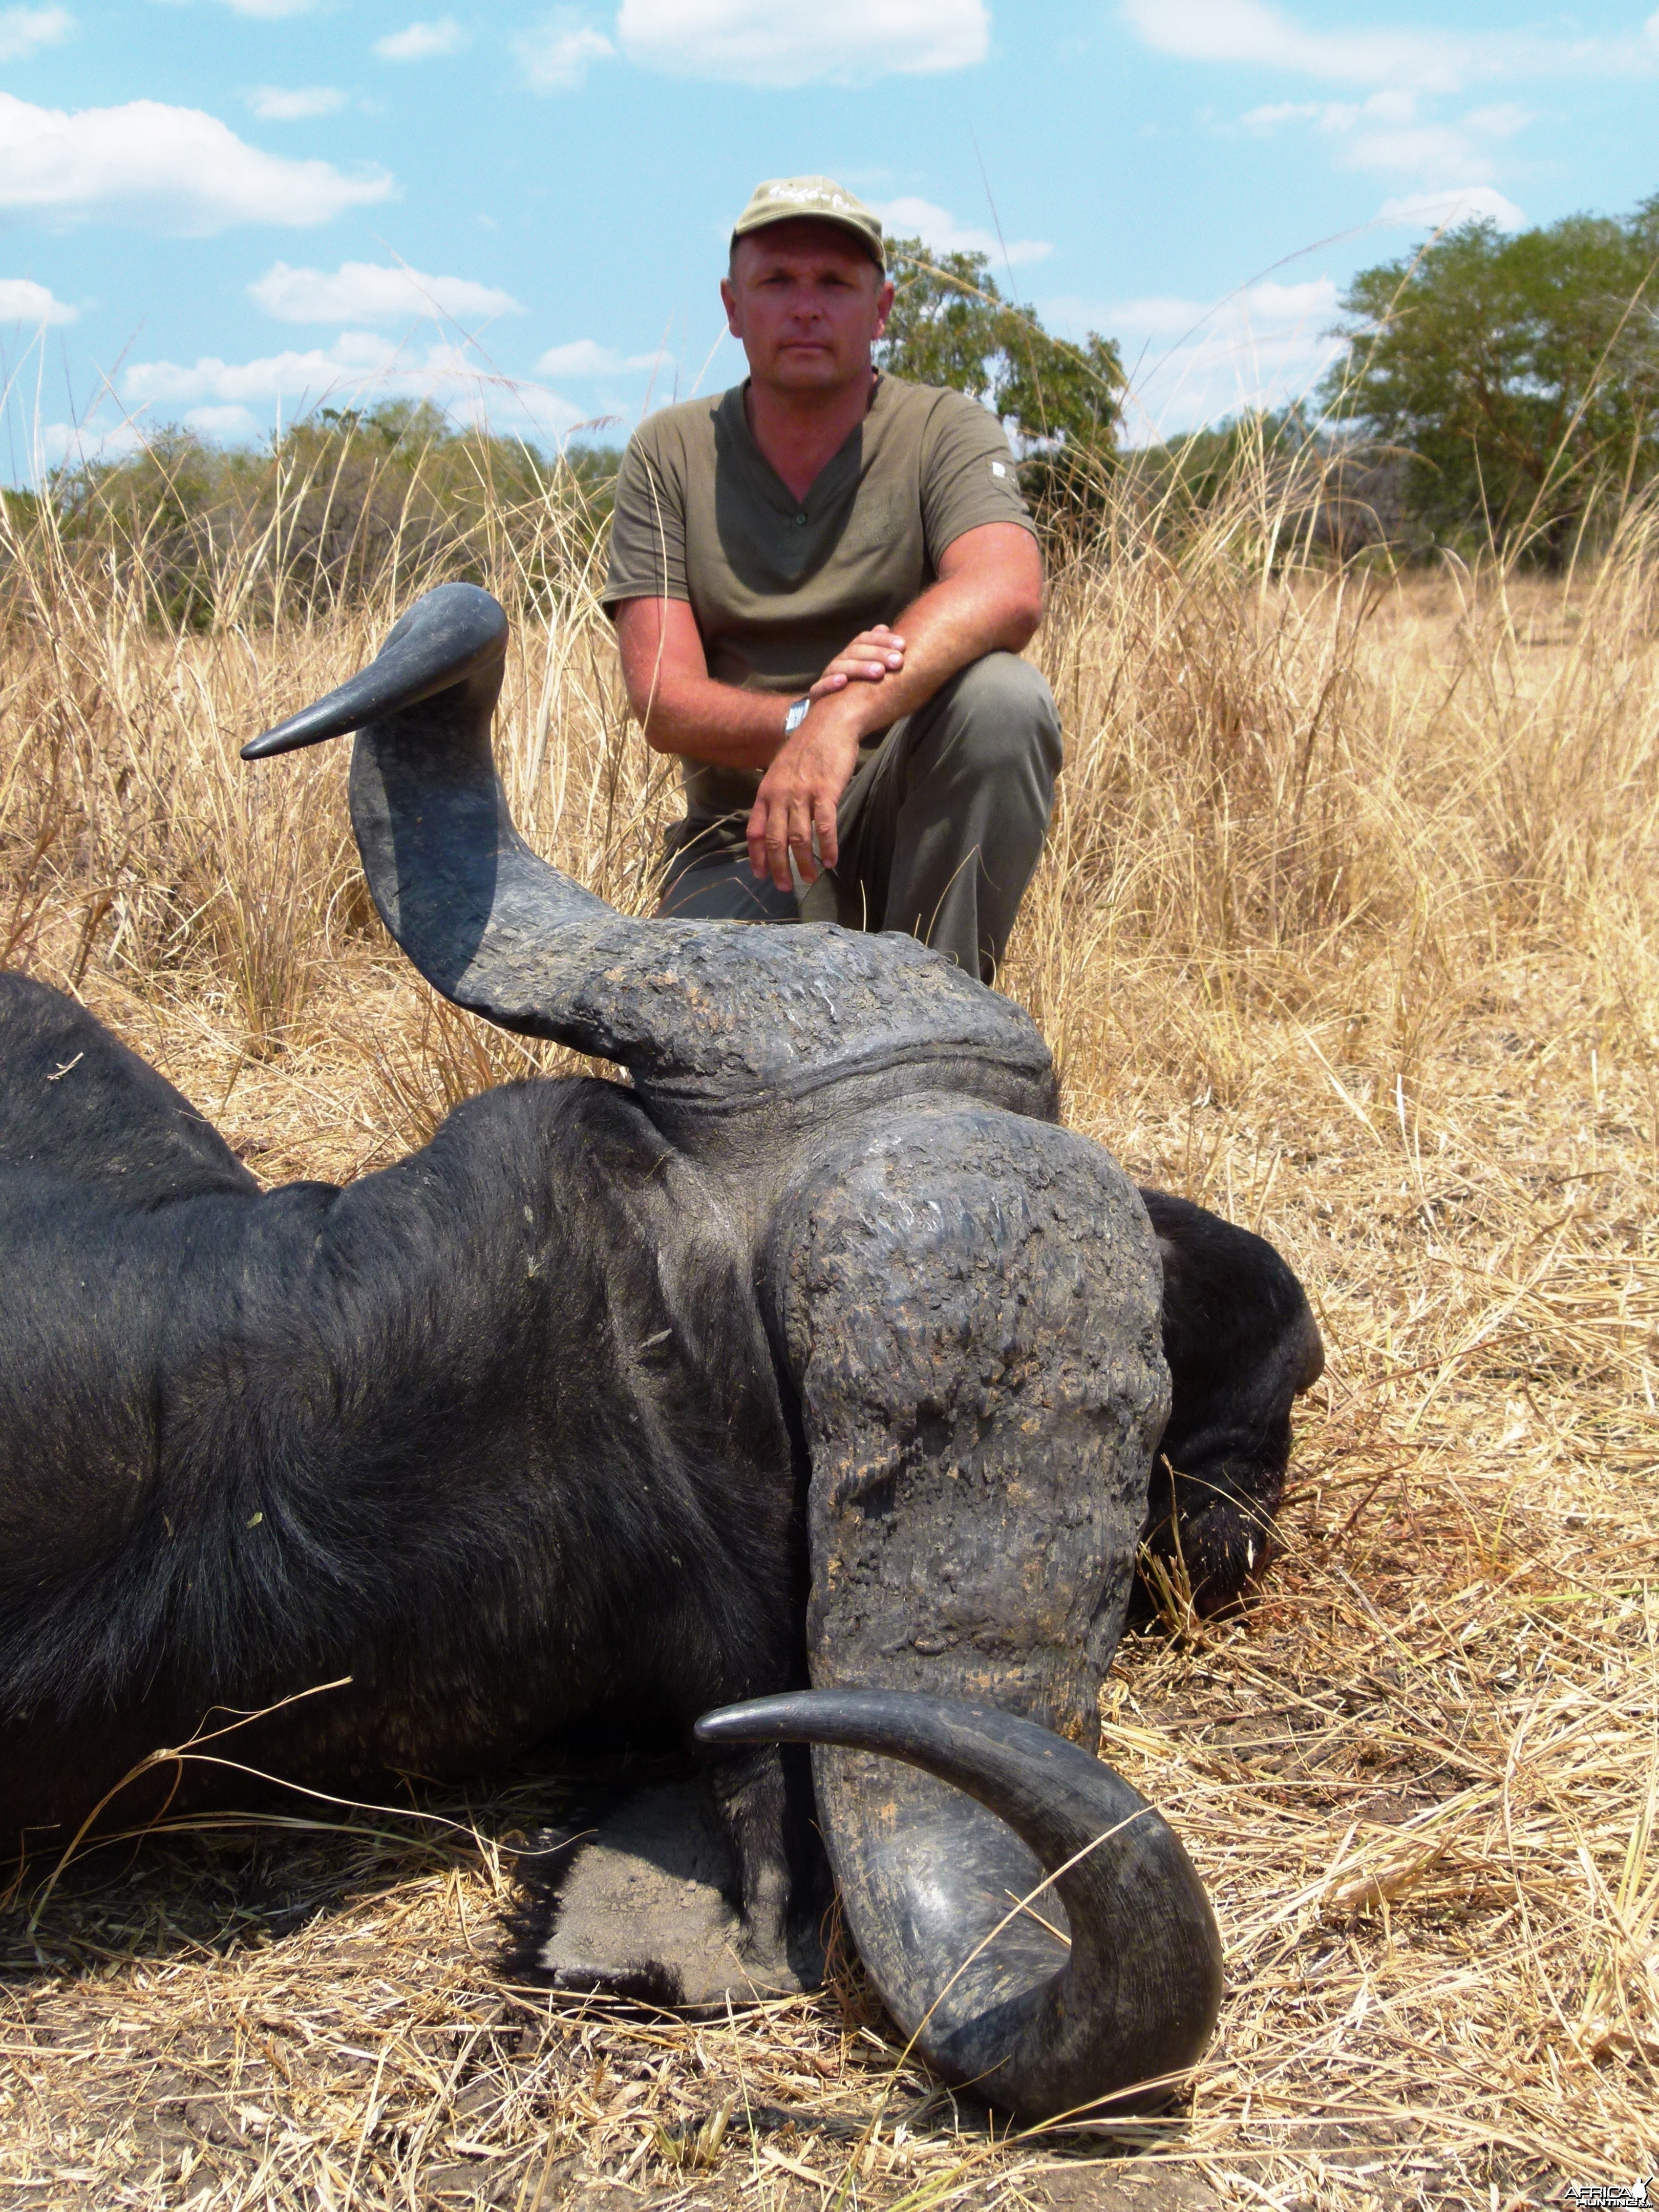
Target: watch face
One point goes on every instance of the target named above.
(796, 716)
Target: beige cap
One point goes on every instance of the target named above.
(817, 199)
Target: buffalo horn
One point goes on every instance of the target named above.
(925, 1882)
(702, 1012)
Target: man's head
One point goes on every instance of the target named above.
(807, 293)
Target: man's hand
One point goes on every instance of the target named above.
(798, 795)
(873, 655)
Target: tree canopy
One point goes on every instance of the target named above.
(329, 508)
(950, 324)
(1520, 374)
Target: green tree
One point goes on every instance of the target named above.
(343, 499)
(950, 324)
(1520, 374)
(943, 328)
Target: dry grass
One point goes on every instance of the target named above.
(1348, 928)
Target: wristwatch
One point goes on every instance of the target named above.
(797, 715)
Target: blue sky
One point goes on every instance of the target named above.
(220, 211)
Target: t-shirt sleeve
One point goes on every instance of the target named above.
(648, 526)
(967, 474)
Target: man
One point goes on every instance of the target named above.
(821, 583)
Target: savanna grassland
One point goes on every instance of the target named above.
(1349, 928)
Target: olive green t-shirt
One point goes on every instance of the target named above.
(778, 585)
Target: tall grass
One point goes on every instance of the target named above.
(1348, 925)
(125, 796)
(1277, 768)
(1295, 785)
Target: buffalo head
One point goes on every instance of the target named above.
(965, 1299)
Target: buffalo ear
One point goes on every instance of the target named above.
(1242, 1343)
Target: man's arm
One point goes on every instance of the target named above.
(988, 599)
(683, 710)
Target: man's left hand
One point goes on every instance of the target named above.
(800, 792)
(873, 655)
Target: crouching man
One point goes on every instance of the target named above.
(821, 582)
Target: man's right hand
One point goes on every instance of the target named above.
(873, 654)
(796, 803)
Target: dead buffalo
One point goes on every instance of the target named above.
(816, 1353)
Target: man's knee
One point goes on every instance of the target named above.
(724, 890)
(1001, 718)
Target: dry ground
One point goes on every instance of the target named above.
(1348, 930)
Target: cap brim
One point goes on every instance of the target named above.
(860, 237)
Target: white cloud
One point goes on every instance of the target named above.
(357, 369)
(171, 166)
(356, 355)
(585, 358)
(422, 42)
(556, 56)
(1386, 132)
(938, 227)
(1192, 361)
(1257, 34)
(790, 42)
(1502, 121)
(1436, 153)
(1268, 118)
(226, 423)
(24, 301)
(75, 444)
(1266, 305)
(366, 292)
(1249, 31)
(527, 411)
(272, 104)
(1439, 211)
(271, 11)
(1391, 105)
(24, 30)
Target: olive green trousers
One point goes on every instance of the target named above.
(939, 829)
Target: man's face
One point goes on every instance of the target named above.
(807, 304)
